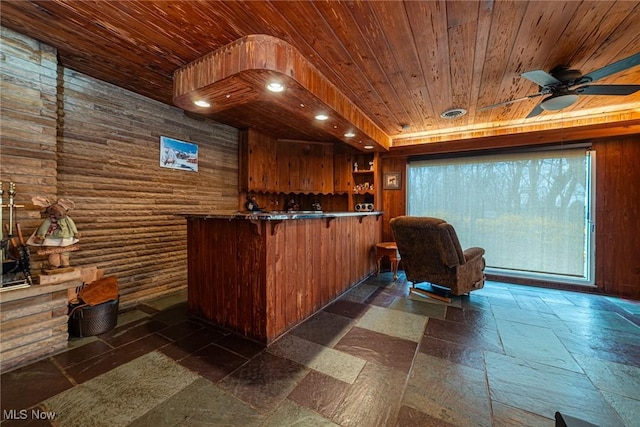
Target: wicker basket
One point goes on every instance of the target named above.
(88, 321)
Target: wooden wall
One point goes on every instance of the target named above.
(618, 216)
(394, 202)
(100, 148)
(617, 213)
(28, 71)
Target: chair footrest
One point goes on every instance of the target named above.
(431, 294)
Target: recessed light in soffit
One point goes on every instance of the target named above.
(275, 87)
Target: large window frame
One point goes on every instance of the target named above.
(563, 158)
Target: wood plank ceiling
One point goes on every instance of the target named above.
(397, 65)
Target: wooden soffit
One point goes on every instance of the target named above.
(518, 139)
(233, 81)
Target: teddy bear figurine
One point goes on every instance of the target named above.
(57, 234)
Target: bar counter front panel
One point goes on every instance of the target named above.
(261, 274)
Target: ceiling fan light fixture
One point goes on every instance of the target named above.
(558, 102)
(453, 113)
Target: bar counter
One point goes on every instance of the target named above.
(279, 215)
(260, 274)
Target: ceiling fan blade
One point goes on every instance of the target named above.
(616, 67)
(524, 98)
(536, 110)
(608, 89)
(541, 78)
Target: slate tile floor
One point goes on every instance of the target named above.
(506, 355)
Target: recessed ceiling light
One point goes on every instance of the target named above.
(349, 134)
(202, 103)
(275, 87)
(368, 147)
(322, 117)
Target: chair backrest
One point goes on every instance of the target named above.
(427, 243)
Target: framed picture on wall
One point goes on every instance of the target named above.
(176, 154)
(391, 181)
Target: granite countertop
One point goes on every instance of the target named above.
(275, 215)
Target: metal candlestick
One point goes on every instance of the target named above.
(12, 195)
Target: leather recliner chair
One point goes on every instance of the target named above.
(431, 252)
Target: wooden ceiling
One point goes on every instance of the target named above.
(388, 68)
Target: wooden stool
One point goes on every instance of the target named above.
(390, 250)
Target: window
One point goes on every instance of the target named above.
(531, 211)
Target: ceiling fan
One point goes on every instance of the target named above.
(564, 85)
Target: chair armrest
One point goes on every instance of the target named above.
(470, 275)
(472, 253)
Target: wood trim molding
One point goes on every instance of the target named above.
(542, 137)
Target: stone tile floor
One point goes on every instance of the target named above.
(507, 355)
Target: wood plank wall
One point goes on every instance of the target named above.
(101, 150)
(261, 279)
(618, 216)
(394, 202)
(311, 262)
(28, 72)
(617, 213)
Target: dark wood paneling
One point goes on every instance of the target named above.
(394, 202)
(262, 278)
(285, 166)
(618, 216)
(258, 162)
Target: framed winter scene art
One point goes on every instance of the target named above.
(176, 154)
